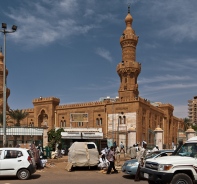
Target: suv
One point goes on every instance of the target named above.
(17, 162)
(181, 167)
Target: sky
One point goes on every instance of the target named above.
(69, 49)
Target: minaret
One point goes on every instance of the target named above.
(128, 69)
(2, 83)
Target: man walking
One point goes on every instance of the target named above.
(133, 152)
(111, 158)
(141, 158)
(122, 147)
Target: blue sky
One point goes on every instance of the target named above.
(69, 49)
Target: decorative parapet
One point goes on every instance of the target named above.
(80, 105)
(46, 99)
(168, 105)
(28, 110)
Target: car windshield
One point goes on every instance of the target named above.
(153, 154)
(188, 150)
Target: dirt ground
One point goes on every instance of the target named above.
(61, 163)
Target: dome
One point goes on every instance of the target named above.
(128, 18)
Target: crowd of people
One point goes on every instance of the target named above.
(112, 154)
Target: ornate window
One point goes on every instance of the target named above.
(79, 124)
(62, 123)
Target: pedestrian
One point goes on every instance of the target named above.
(122, 147)
(114, 144)
(103, 162)
(172, 144)
(117, 154)
(59, 148)
(111, 158)
(141, 158)
(40, 149)
(106, 150)
(133, 152)
(36, 155)
(156, 148)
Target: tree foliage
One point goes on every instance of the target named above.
(17, 115)
(54, 137)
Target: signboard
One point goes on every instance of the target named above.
(79, 117)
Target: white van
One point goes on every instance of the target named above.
(83, 154)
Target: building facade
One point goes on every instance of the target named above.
(192, 110)
(111, 119)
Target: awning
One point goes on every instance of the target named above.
(92, 135)
(82, 135)
(71, 135)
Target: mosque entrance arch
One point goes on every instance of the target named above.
(43, 119)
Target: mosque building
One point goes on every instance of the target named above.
(108, 119)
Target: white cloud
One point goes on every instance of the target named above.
(160, 87)
(104, 54)
(177, 19)
(163, 78)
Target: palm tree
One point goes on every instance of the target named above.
(17, 115)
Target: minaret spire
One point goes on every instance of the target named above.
(128, 69)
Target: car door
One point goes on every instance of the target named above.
(10, 163)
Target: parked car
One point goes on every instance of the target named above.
(130, 166)
(17, 162)
(83, 154)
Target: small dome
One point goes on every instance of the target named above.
(128, 18)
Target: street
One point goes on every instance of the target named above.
(55, 172)
(76, 177)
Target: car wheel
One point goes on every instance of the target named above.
(181, 178)
(23, 174)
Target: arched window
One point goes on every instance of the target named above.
(62, 123)
(97, 122)
(124, 119)
(101, 122)
(80, 124)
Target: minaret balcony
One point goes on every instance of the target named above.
(129, 67)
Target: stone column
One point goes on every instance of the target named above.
(190, 133)
(131, 137)
(45, 137)
(159, 137)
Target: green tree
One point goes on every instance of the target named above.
(17, 115)
(54, 137)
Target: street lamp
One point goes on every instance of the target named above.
(5, 31)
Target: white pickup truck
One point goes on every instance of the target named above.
(179, 168)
